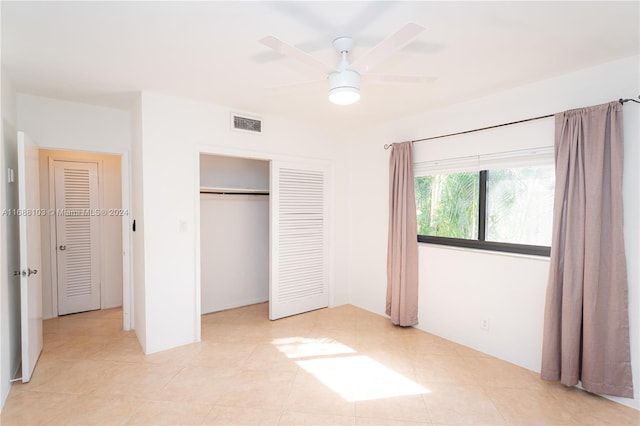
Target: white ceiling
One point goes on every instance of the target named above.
(102, 52)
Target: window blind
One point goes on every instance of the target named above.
(520, 158)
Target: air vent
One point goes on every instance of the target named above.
(246, 124)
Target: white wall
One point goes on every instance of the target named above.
(230, 172)
(110, 229)
(459, 287)
(174, 131)
(72, 126)
(9, 260)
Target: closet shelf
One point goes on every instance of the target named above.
(243, 191)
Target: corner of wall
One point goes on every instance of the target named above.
(137, 240)
(3, 267)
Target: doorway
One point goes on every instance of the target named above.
(234, 232)
(82, 241)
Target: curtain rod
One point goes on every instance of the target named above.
(389, 145)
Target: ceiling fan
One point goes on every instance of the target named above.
(344, 80)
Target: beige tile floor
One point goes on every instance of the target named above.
(331, 367)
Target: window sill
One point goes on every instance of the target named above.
(534, 252)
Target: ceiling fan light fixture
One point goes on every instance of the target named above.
(344, 87)
(344, 95)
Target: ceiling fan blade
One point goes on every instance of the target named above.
(397, 79)
(387, 47)
(295, 84)
(293, 52)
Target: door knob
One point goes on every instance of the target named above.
(63, 247)
(28, 272)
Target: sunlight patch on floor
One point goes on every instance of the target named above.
(302, 347)
(360, 378)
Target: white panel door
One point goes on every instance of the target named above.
(77, 236)
(299, 272)
(30, 257)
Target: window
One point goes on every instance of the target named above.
(520, 205)
(503, 209)
(447, 205)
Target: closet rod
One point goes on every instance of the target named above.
(389, 145)
(234, 192)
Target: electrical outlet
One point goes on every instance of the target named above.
(484, 324)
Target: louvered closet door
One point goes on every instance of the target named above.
(299, 239)
(77, 244)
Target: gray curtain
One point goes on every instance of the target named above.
(586, 327)
(402, 250)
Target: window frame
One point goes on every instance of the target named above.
(480, 242)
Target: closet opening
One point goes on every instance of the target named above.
(234, 232)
